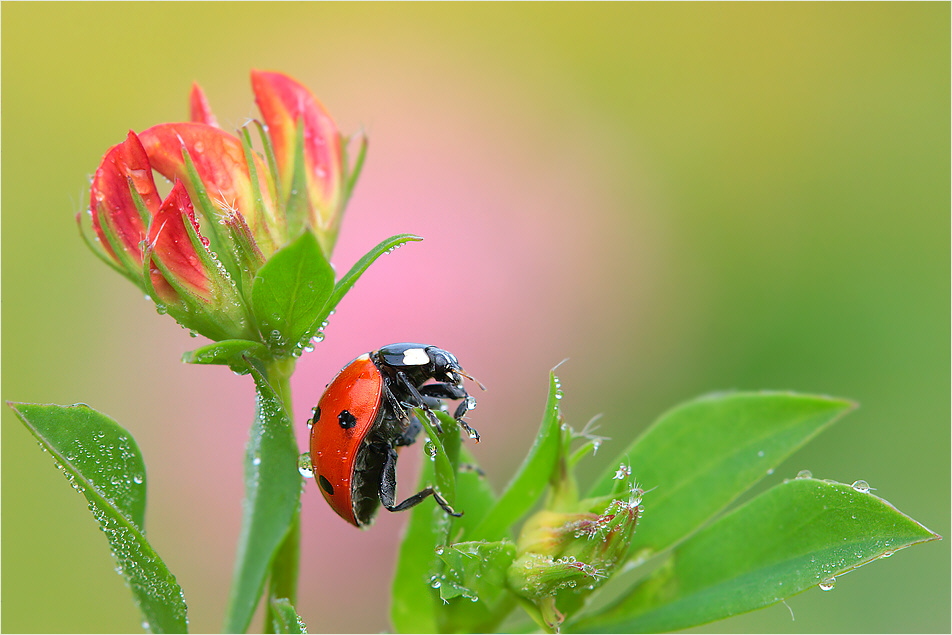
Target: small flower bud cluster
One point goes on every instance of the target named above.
(572, 552)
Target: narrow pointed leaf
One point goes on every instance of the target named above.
(531, 478)
(285, 618)
(272, 498)
(289, 293)
(705, 453)
(102, 461)
(350, 278)
(789, 539)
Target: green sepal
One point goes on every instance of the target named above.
(212, 214)
(126, 260)
(275, 224)
(352, 172)
(298, 205)
(274, 188)
(222, 315)
(101, 253)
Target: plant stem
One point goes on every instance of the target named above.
(284, 572)
(284, 568)
(270, 533)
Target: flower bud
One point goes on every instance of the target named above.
(158, 244)
(196, 253)
(560, 553)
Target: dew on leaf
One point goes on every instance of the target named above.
(861, 486)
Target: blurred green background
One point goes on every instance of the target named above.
(679, 198)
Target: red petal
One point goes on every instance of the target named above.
(199, 109)
(220, 163)
(282, 102)
(173, 247)
(110, 201)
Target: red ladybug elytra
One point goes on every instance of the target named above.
(364, 417)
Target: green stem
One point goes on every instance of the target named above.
(268, 546)
(284, 572)
(284, 568)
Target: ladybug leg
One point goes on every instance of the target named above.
(409, 435)
(418, 401)
(388, 488)
(396, 406)
(443, 391)
(451, 391)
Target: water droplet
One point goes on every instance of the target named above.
(430, 448)
(256, 459)
(304, 465)
(887, 554)
(827, 584)
(761, 453)
(137, 478)
(804, 474)
(861, 486)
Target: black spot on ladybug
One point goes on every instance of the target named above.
(346, 419)
(326, 485)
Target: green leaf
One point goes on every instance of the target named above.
(414, 604)
(272, 498)
(474, 495)
(289, 292)
(475, 570)
(102, 461)
(444, 473)
(473, 582)
(531, 478)
(285, 618)
(350, 278)
(703, 454)
(227, 352)
(789, 539)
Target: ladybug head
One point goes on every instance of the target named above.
(446, 367)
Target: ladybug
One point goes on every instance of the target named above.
(364, 417)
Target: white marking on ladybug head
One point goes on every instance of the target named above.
(363, 357)
(415, 357)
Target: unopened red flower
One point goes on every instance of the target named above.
(196, 251)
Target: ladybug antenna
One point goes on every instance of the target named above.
(470, 377)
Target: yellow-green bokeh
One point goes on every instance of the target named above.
(678, 197)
